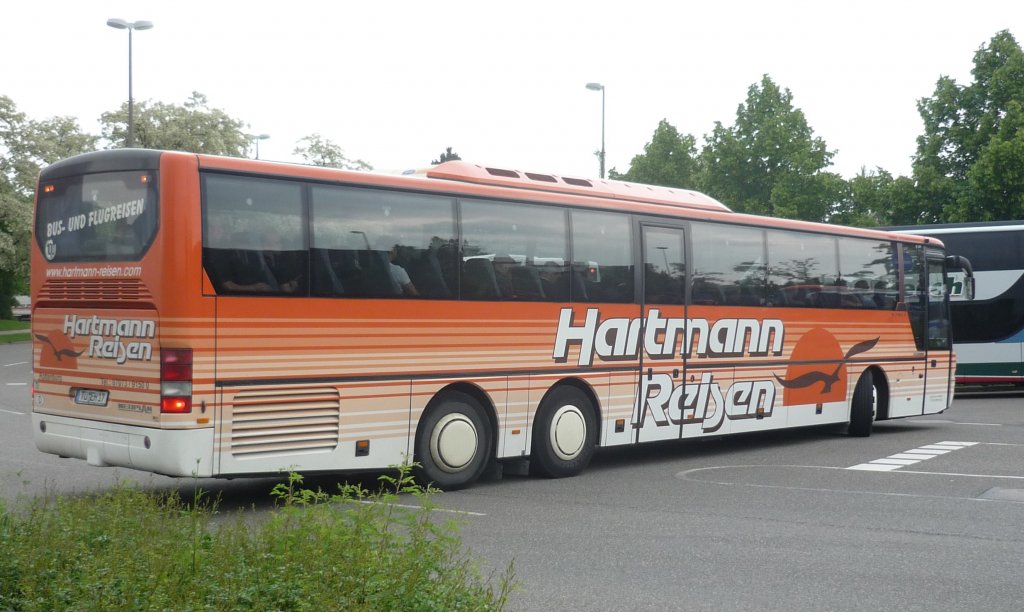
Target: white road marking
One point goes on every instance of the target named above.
(410, 507)
(10, 411)
(893, 461)
(691, 476)
(16, 384)
(875, 467)
(7, 365)
(1004, 476)
(910, 457)
(948, 422)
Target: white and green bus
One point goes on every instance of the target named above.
(988, 331)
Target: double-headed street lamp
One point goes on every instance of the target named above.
(258, 138)
(599, 87)
(121, 24)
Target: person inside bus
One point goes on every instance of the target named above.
(241, 270)
(398, 273)
(230, 269)
(283, 267)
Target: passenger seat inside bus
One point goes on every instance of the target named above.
(325, 279)
(424, 270)
(478, 279)
(525, 283)
(579, 285)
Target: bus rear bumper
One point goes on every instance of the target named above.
(173, 452)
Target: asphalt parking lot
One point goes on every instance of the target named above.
(925, 514)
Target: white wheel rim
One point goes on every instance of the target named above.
(453, 442)
(568, 432)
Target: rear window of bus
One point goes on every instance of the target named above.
(110, 216)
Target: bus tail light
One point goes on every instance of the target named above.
(175, 380)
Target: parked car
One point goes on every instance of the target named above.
(22, 310)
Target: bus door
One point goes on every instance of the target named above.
(661, 363)
(939, 366)
(658, 413)
(908, 387)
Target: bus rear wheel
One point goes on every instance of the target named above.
(564, 434)
(863, 406)
(453, 442)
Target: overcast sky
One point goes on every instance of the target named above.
(503, 83)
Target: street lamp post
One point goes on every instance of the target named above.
(258, 138)
(121, 24)
(600, 87)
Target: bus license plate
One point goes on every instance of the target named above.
(91, 397)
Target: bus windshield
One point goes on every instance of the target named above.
(109, 216)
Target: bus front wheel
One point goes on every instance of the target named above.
(453, 442)
(564, 434)
(862, 406)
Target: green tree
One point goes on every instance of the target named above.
(27, 146)
(316, 150)
(769, 162)
(192, 127)
(968, 161)
(448, 155)
(669, 160)
(876, 198)
(996, 180)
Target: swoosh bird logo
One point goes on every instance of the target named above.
(58, 353)
(827, 380)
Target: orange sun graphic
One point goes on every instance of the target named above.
(818, 373)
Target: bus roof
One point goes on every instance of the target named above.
(960, 228)
(602, 188)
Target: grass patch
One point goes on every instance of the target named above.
(353, 550)
(10, 324)
(11, 338)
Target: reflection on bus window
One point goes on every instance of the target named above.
(869, 272)
(370, 243)
(108, 216)
(802, 269)
(665, 268)
(728, 264)
(602, 252)
(254, 237)
(938, 312)
(514, 252)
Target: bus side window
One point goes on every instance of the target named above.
(381, 244)
(729, 264)
(254, 239)
(601, 269)
(505, 248)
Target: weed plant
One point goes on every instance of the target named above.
(127, 549)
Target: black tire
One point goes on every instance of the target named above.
(453, 442)
(862, 406)
(564, 434)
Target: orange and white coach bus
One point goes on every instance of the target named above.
(199, 315)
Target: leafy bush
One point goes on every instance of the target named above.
(354, 550)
